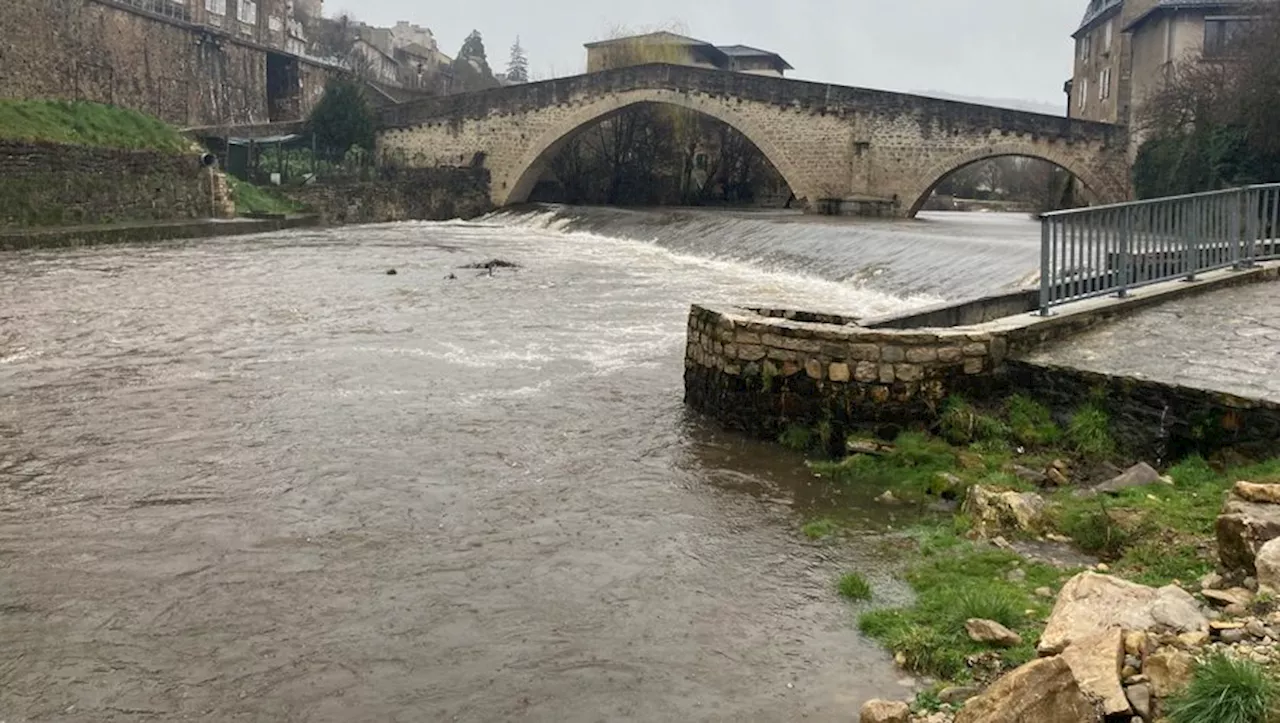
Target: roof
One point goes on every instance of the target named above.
(1173, 5)
(661, 37)
(746, 51)
(1096, 12)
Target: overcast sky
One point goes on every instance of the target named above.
(1017, 49)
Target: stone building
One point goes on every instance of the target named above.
(1126, 48)
(665, 47)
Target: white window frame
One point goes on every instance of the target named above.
(1107, 35)
(216, 7)
(1104, 84)
(1083, 98)
(248, 12)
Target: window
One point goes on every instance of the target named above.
(1084, 92)
(1104, 84)
(249, 12)
(1106, 37)
(1086, 45)
(216, 7)
(1222, 35)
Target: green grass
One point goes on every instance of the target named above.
(251, 199)
(797, 438)
(1224, 690)
(819, 529)
(960, 423)
(954, 581)
(1030, 422)
(87, 124)
(853, 586)
(1090, 433)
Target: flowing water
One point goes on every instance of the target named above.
(259, 479)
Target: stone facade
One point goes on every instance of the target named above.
(828, 142)
(52, 185)
(112, 52)
(417, 194)
(759, 371)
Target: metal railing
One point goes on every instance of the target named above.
(1106, 250)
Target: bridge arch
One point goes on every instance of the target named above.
(1098, 185)
(516, 182)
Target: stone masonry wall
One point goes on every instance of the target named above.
(50, 185)
(420, 194)
(828, 142)
(759, 373)
(94, 50)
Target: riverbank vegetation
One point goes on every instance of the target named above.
(88, 124)
(1072, 507)
(251, 200)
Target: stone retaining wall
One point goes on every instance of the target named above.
(759, 373)
(411, 194)
(45, 184)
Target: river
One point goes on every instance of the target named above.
(260, 479)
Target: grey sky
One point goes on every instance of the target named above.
(992, 48)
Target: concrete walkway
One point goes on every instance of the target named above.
(1227, 340)
(16, 239)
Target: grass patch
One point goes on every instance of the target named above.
(1030, 422)
(797, 438)
(819, 529)
(87, 124)
(955, 580)
(853, 586)
(960, 423)
(1224, 690)
(1090, 433)
(251, 199)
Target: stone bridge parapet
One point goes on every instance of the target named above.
(829, 142)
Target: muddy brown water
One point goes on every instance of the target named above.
(261, 480)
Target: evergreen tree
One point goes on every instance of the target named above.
(342, 119)
(471, 67)
(518, 67)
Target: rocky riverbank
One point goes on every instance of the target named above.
(1061, 588)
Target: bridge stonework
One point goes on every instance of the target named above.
(880, 150)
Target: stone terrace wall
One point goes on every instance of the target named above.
(759, 372)
(420, 194)
(51, 185)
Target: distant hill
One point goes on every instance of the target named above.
(1030, 106)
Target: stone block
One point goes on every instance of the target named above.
(975, 349)
(974, 365)
(742, 336)
(814, 368)
(892, 354)
(886, 374)
(908, 372)
(951, 355)
(867, 372)
(864, 352)
(922, 355)
(839, 372)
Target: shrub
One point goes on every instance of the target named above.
(1099, 531)
(343, 119)
(796, 438)
(960, 423)
(985, 603)
(1225, 690)
(853, 586)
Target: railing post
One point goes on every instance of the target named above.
(1237, 209)
(1126, 255)
(1253, 206)
(1045, 266)
(1198, 211)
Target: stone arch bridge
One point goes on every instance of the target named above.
(875, 151)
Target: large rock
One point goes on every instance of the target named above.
(990, 631)
(1139, 475)
(1091, 603)
(1096, 662)
(1267, 564)
(885, 711)
(1242, 529)
(994, 511)
(1169, 671)
(1043, 691)
(1263, 494)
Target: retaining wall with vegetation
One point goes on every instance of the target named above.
(47, 184)
(411, 194)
